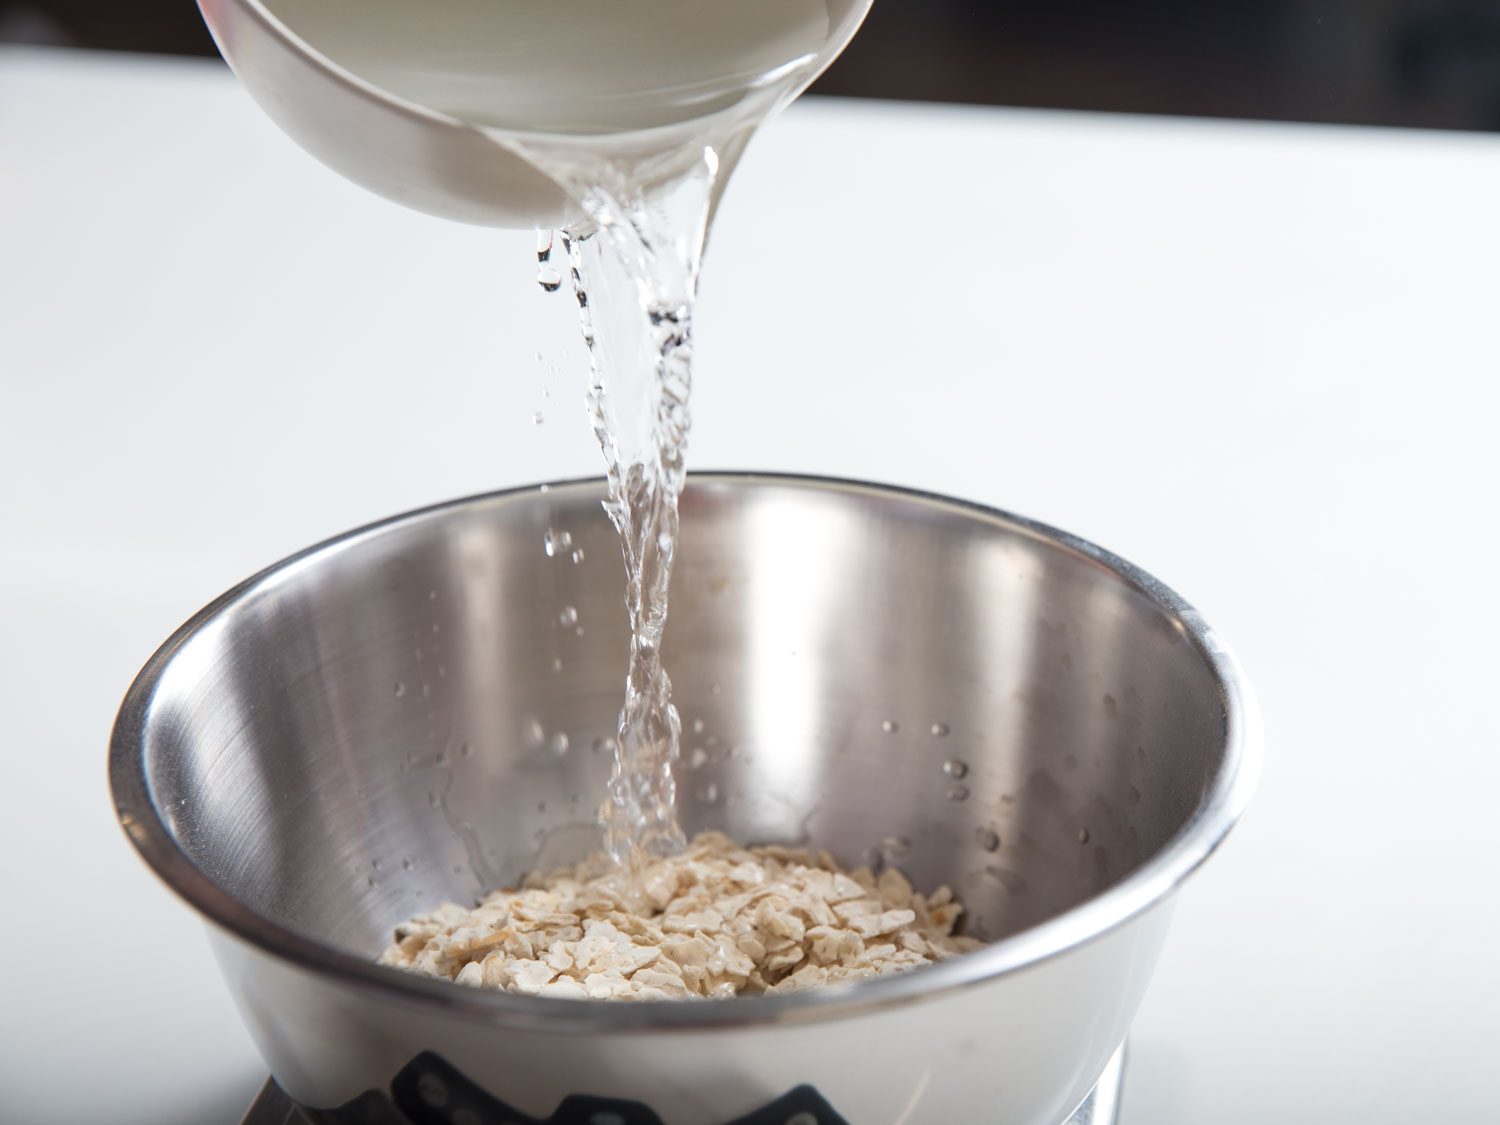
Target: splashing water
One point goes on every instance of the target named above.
(649, 200)
(641, 419)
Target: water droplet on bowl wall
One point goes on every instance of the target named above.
(1012, 882)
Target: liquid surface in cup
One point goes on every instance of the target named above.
(639, 110)
(565, 66)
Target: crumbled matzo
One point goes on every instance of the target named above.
(716, 921)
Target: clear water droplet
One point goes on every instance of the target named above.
(604, 745)
(698, 758)
(375, 863)
(577, 556)
(988, 839)
(426, 690)
(940, 730)
(548, 278)
(536, 734)
(578, 632)
(568, 617)
(544, 239)
(559, 743)
(400, 689)
(890, 726)
(1083, 835)
(893, 848)
(698, 726)
(537, 417)
(408, 863)
(956, 767)
(557, 665)
(556, 542)
(709, 794)
(466, 750)
(544, 488)
(958, 792)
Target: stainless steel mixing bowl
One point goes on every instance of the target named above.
(414, 712)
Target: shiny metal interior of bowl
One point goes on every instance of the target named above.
(421, 711)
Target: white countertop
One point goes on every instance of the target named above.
(1261, 361)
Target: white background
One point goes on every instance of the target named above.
(1260, 361)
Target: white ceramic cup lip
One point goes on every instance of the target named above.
(838, 39)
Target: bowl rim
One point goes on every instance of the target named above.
(1223, 801)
